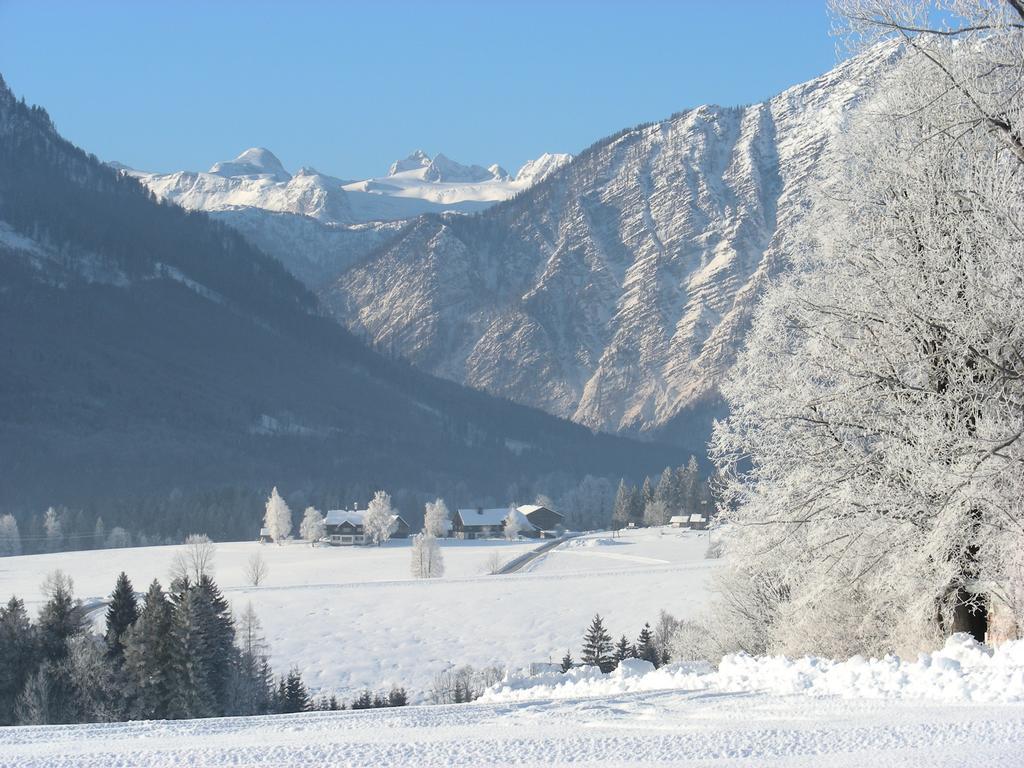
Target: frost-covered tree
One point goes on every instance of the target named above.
(427, 562)
(118, 537)
(873, 455)
(312, 527)
(252, 684)
(622, 511)
(54, 530)
(379, 521)
(656, 513)
(256, 569)
(278, 517)
(435, 519)
(515, 523)
(194, 560)
(10, 538)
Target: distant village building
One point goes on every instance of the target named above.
(265, 537)
(344, 527)
(479, 523)
(546, 522)
(679, 521)
(698, 522)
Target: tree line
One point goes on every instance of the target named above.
(175, 654)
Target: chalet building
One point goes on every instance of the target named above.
(265, 537)
(546, 522)
(344, 527)
(479, 523)
(679, 521)
(698, 522)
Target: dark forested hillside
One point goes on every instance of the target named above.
(147, 352)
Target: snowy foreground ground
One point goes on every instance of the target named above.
(957, 707)
(352, 617)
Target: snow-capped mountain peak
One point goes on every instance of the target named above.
(253, 162)
(535, 170)
(445, 170)
(415, 161)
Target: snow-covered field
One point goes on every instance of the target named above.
(353, 617)
(717, 721)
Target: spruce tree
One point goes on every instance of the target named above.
(597, 646)
(622, 510)
(621, 650)
(122, 613)
(296, 696)
(18, 656)
(152, 661)
(645, 647)
(567, 662)
(60, 619)
(397, 697)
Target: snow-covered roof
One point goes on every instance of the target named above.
(679, 519)
(339, 516)
(264, 531)
(527, 509)
(483, 516)
(696, 518)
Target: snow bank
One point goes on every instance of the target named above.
(962, 671)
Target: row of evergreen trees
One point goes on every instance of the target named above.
(678, 491)
(600, 651)
(178, 654)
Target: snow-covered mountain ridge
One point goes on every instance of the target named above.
(616, 291)
(415, 185)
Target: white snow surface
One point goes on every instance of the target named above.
(331, 609)
(352, 617)
(962, 671)
(619, 723)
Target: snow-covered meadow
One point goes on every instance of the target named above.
(958, 706)
(353, 617)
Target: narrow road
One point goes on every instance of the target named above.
(517, 564)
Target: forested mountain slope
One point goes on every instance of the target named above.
(616, 291)
(145, 349)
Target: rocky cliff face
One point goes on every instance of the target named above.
(616, 291)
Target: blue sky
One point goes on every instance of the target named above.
(347, 87)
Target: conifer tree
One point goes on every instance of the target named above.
(397, 697)
(597, 646)
(18, 655)
(567, 662)
(61, 617)
(295, 695)
(151, 661)
(645, 647)
(647, 492)
(623, 508)
(122, 613)
(621, 650)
